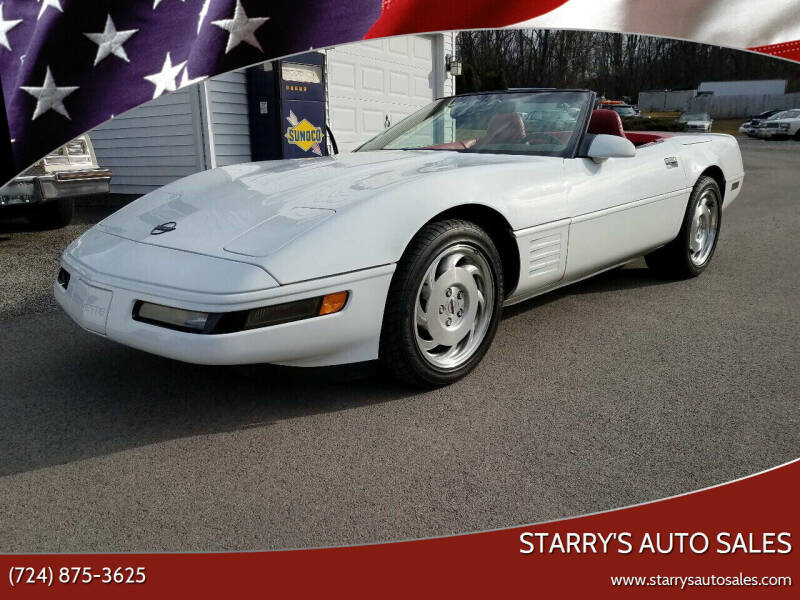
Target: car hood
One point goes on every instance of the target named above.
(252, 210)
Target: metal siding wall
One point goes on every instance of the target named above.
(229, 121)
(152, 145)
(728, 107)
(744, 88)
(665, 101)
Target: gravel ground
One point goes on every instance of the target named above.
(620, 389)
(29, 261)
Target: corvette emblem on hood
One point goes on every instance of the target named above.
(163, 228)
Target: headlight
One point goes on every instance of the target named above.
(177, 318)
(76, 147)
(215, 323)
(56, 158)
(783, 125)
(282, 313)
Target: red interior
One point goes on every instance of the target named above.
(608, 122)
(540, 137)
(452, 145)
(509, 128)
(639, 138)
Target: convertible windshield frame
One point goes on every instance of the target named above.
(569, 151)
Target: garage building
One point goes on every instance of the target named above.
(369, 85)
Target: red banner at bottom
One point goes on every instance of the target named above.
(733, 540)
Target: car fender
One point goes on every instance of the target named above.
(377, 230)
(721, 151)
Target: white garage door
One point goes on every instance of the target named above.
(372, 84)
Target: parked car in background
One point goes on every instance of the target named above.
(762, 123)
(696, 121)
(749, 127)
(783, 125)
(623, 109)
(45, 193)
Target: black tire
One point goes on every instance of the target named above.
(797, 135)
(400, 353)
(54, 214)
(675, 259)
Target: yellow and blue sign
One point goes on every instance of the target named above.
(304, 135)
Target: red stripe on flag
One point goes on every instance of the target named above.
(416, 16)
(789, 50)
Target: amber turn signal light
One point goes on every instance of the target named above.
(333, 303)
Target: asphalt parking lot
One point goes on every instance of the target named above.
(618, 390)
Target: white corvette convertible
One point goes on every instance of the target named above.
(407, 249)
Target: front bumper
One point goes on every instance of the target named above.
(34, 189)
(66, 184)
(771, 134)
(103, 303)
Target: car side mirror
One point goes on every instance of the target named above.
(605, 146)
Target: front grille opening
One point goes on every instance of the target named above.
(63, 278)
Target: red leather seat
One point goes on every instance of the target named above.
(506, 128)
(606, 122)
(640, 138)
(461, 145)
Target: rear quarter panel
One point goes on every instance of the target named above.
(714, 150)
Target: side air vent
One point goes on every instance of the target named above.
(544, 257)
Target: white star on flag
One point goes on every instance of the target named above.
(241, 28)
(186, 80)
(49, 96)
(165, 79)
(5, 27)
(157, 2)
(110, 41)
(202, 16)
(53, 3)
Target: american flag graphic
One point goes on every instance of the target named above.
(67, 66)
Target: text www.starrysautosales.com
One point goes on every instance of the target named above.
(690, 581)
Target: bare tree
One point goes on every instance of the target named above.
(613, 64)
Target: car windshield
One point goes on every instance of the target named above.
(541, 123)
(625, 111)
(694, 117)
